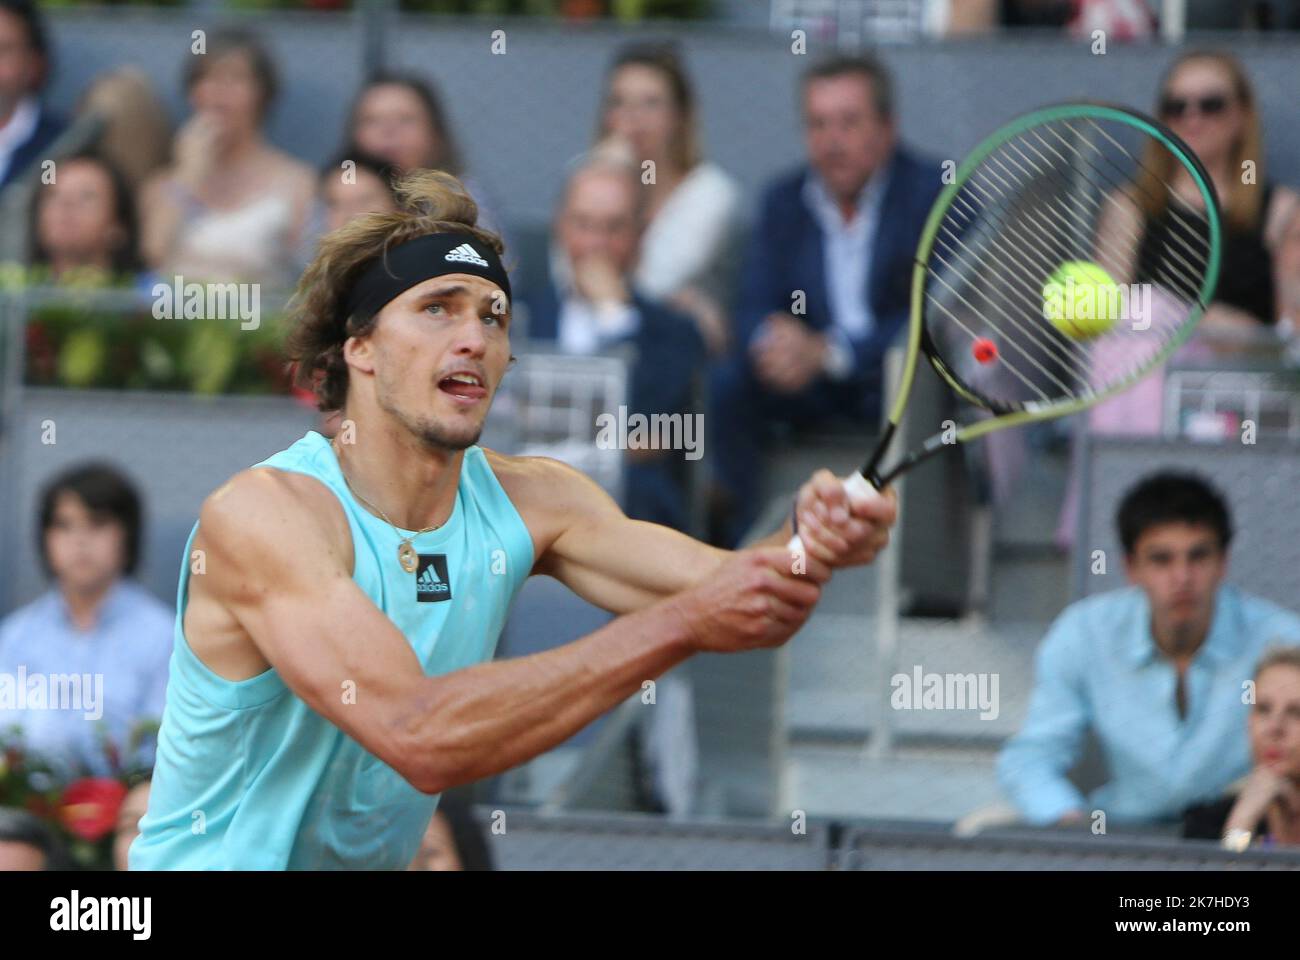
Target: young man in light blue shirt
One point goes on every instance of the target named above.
(1157, 671)
(83, 667)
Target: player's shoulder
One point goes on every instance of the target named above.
(535, 478)
(550, 495)
(267, 504)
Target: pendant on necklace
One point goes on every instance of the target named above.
(407, 556)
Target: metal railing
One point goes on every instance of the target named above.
(525, 839)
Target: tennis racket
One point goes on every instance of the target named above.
(1046, 200)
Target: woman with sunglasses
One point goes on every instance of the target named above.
(1207, 100)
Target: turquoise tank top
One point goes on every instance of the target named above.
(248, 776)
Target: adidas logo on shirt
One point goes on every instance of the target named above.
(431, 582)
(466, 254)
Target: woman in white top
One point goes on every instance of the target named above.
(231, 207)
(688, 250)
(399, 117)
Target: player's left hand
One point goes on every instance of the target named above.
(844, 527)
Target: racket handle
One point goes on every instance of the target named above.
(856, 486)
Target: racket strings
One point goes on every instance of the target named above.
(1189, 279)
(1193, 228)
(1093, 212)
(1036, 201)
(1032, 294)
(1122, 185)
(1032, 245)
(1082, 232)
(1069, 354)
(1046, 337)
(1194, 271)
(1184, 282)
(1010, 341)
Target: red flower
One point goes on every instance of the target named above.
(88, 808)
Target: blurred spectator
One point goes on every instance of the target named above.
(231, 206)
(1207, 100)
(134, 806)
(364, 187)
(589, 303)
(399, 118)
(825, 288)
(27, 843)
(136, 138)
(454, 840)
(1118, 20)
(1155, 670)
(687, 254)
(85, 230)
(95, 624)
(1121, 20)
(1287, 266)
(1264, 807)
(26, 127)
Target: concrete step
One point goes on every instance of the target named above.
(835, 687)
(922, 784)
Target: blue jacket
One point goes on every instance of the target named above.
(48, 129)
(786, 254)
(668, 346)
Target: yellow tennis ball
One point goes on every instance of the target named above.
(1081, 300)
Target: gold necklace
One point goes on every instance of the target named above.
(406, 554)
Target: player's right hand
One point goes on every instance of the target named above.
(754, 599)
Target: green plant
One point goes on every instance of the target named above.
(82, 809)
(75, 346)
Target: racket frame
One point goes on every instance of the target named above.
(919, 341)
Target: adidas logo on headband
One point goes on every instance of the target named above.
(466, 254)
(398, 269)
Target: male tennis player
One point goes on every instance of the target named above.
(340, 601)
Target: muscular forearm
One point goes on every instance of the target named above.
(486, 719)
(634, 566)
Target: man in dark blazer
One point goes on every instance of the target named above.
(26, 127)
(582, 302)
(826, 281)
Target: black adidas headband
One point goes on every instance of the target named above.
(415, 261)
